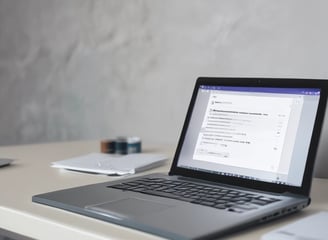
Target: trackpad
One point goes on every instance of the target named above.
(128, 207)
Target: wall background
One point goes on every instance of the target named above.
(91, 69)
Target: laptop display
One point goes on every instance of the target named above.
(256, 133)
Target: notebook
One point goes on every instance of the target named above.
(245, 156)
(111, 164)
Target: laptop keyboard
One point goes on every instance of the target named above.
(197, 193)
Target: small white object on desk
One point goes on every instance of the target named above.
(5, 162)
(104, 163)
(309, 228)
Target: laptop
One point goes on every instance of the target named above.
(245, 156)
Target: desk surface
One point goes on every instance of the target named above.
(31, 174)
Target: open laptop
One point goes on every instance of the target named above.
(245, 156)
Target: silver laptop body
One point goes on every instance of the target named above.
(253, 138)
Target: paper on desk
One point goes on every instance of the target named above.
(309, 228)
(104, 163)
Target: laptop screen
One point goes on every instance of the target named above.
(256, 133)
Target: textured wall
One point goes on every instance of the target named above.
(84, 69)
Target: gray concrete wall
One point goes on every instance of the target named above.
(87, 69)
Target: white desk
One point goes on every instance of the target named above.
(31, 174)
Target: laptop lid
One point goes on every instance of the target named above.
(252, 132)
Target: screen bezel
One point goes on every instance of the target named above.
(304, 189)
